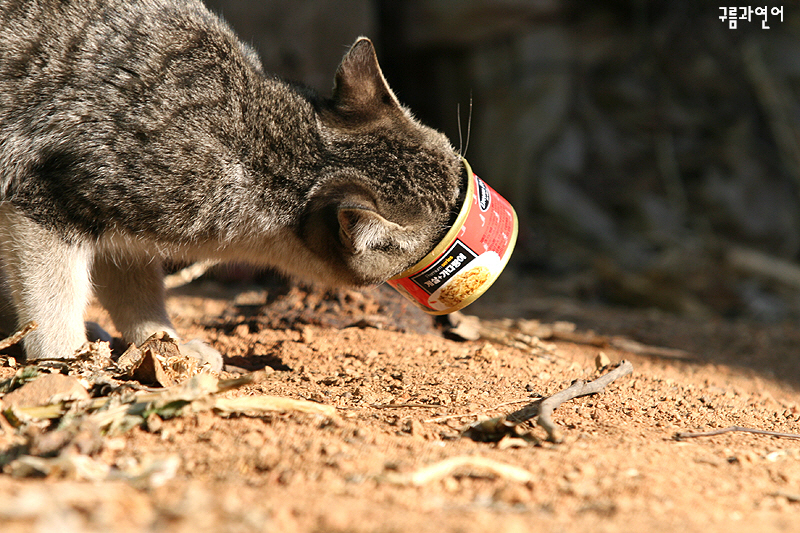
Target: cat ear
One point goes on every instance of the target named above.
(360, 90)
(361, 229)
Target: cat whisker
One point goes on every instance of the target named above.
(462, 148)
(458, 119)
(469, 126)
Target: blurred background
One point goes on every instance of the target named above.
(652, 151)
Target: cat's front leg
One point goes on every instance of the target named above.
(130, 286)
(47, 279)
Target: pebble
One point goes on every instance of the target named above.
(487, 352)
(601, 360)
(513, 494)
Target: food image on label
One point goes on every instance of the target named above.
(467, 283)
(463, 286)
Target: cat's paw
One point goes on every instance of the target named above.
(203, 352)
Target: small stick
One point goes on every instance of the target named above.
(18, 336)
(632, 346)
(495, 429)
(576, 390)
(689, 435)
(761, 264)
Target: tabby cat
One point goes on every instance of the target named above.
(133, 130)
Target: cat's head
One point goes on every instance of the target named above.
(389, 187)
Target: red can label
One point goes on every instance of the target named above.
(472, 259)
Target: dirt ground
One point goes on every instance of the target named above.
(403, 393)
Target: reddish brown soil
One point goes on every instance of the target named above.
(618, 469)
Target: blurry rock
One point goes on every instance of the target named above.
(192, 355)
(648, 289)
(47, 389)
(760, 303)
(601, 360)
(149, 472)
(460, 326)
(487, 352)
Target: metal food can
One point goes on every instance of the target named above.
(469, 258)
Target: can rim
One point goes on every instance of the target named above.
(451, 234)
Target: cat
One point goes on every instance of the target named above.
(134, 130)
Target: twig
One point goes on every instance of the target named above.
(496, 428)
(761, 264)
(576, 390)
(446, 467)
(632, 346)
(18, 336)
(689, 435)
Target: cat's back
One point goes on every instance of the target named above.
(68, 40)
(111, 69)
(44, 33)
(97, 95)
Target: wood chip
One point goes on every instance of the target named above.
(158, 362)
(267, 404)
(470, 464)
(18, 336)
(150, 371)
